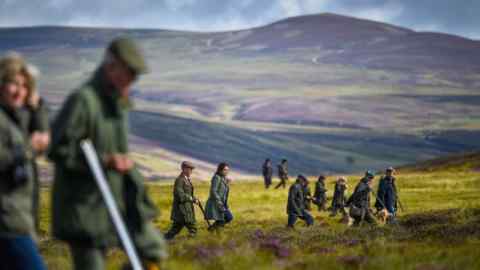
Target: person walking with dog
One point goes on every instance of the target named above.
(387, 196)
(359, 202)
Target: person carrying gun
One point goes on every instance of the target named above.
(183, 213)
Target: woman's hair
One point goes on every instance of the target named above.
(222, 166)
(13, 64)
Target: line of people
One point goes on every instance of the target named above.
(358, 204)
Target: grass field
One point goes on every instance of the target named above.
(439, 229)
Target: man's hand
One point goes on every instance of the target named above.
(119, 162)
(39, 141)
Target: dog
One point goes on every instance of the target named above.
(383, 215)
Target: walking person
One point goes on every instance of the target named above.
(183, 212)
(217, 204)
(282, 173)
(339, 198)
(359, 202)
(18, 249)
(98, 111)
(296, 203)
(267, 172)
(387, 196)
(320, 194)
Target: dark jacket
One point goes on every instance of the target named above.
(361, 196)
(339, 197)
(282, 171)
(267, 171)
(320, 191)
(296, 200)
(387, 193)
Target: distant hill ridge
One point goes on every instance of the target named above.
(455, 162)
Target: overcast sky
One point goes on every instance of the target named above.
(461, 17)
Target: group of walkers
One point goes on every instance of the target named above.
(358, 204)
(300, 198)
(97, 111)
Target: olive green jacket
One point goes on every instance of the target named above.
(182, 208)
(217, 202)
(296, 200)
(78, 210)
(15, 200)
(320, 191)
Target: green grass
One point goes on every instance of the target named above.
(440, 229)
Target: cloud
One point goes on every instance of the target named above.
(456, 17)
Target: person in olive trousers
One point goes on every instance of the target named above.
(217, 204)
(98, 111)
(183, 213)
(18, 249)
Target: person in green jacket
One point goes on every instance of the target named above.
(217, 204)
(296, 203)
(359, 201)
(98, 111)
(320, 195)
(183, 214)
(17, 229)
(339, 198)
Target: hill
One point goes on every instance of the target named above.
(455, 162)
(318, 90)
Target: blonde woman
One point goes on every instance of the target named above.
(17, 231)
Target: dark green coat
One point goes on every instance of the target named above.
(320, 191)
(361, 196)
(78, 210)
(217, 201)
(182, 208)
(282, 171)
(15, 200)
(296, 200)
(339, 196)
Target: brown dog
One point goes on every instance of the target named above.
(382, 215)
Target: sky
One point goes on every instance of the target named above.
(459, 17)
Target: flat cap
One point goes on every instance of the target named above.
(301, 177)
(127, 51)
(369, 174)
(187, 164)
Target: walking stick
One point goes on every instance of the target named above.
(99, 176)
(203, 213)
